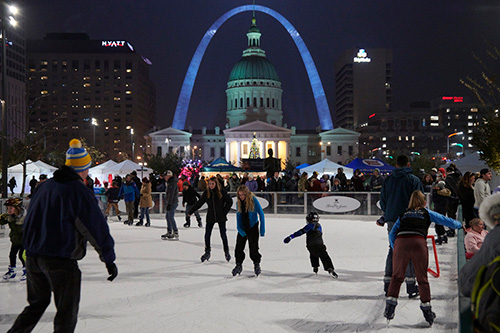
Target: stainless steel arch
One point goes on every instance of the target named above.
(324, 115)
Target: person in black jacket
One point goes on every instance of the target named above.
(314, 244)
(113, 197)
(219, 204)
(466, 195)
(190, 196)
(138, 183)
(440, 198)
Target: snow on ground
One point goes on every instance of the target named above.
(162, 285)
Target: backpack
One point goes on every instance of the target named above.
(485, 298)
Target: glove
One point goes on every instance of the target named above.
(287, 240)
(169, 206)
(112, 271)
(4, 216)
(381, 221)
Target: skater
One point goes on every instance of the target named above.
(440, 198)
(247, 223)
(315, 244)
(172, 201)
(12, 184)
(113, 197)
(14, 218)
(190, 196)
(408, 239)
(145, 202)
(129, 191)
(61, 218)
(219, 204)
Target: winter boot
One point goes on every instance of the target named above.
(167, 236)
(11, 273)
(439, 240)
(138, 224)
(125, 222)
(119, 218)
(23, 277)
(227, 255)
(187, 225)
(450, 232)
(176, 235)
(147, 224)
(427, 311)
(256, 268)
(200, 225)
(131, 222)
(237, 269)
(390, 306)
(205, 255)
(331, 271)
(315, 270)
(445, 239)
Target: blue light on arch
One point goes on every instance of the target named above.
(324, 115)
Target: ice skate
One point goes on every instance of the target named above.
(200, 225)
(427, 311)
(23, 277)
(315, 270)
(334, 275)
(256, 268)
(227, 255)
(125, 222)
(11, 273)
(147, 224)
(131, 222)
(237, 269)
(119, 218)
(187, 225)
(138, 224)
(167, 236)
(176, 235)
(205, 256)
(390, 306)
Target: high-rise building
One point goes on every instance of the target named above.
(363, 79)
(98, 90)
(16, 81)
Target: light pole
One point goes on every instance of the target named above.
(4, 11)
(459, 145)
(133, 143)
(448, 141)
(94, 124)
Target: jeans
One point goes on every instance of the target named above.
(222, 230)
(46, 275)
(253, 245)
(188, 218)
(170, 216)
(144, 212)
(129, 205)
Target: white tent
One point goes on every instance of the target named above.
(327, 167)
(101, 172)
(128, 166)
(471, 162)
(33, 169)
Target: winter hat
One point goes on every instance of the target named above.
(185, 184)
(435, 170)
(77, 157)
(14, 202)
(489, 211)
(443, 172)
(441, 184)
(42, 176)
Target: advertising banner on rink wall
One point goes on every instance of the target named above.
(336, 204)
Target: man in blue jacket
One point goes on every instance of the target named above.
(62, 216)
(129, 192)
(394, 198)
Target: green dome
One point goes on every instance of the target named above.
(253, 67)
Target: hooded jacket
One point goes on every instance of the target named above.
(217, 208)
(15, 225)
(62, 216)
(396, 192)
(129, 191)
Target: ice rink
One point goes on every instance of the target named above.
(163, 287)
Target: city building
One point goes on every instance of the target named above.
(363, 81)
(254, 111)
(98, 90)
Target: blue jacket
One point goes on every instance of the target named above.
(396, 192)
(254, 219)
(129, 191)
(434, 217)
(62, 216)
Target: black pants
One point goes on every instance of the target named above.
(136, 207)
(223, 235)
(47, 275)
(14, 251)
(253, 244)
(317, 252)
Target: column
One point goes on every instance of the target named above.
(238, 153)
(228, 153)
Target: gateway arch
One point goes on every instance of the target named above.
(324, 115)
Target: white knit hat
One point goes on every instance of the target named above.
(489, 211)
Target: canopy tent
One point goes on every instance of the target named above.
(327, 167)
(368, 165)
(101, 172)
(32, 169)
(471, 162)
(127, 167)
(220, 165)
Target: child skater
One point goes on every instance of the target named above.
(247, 223)
(14, 218)
(408, 238)
(314, 244)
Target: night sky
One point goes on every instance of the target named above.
(432, 43)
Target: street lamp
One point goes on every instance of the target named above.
(133, 143)
(448, 141)
(94, 124)
(373, 150)
(6, 11)
(142, 164)
(459, 145)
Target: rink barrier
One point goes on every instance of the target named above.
(436, 273)
(465, 315)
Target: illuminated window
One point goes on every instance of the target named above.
(412, 138)
(434, 124)
(106, 120)
(469, 117)
(448, 110)
(470, 124)
(470, 138)
(407, 138)
(128, 92)
(245, 149)
(469, 131)
(44, 92)
(384, 146)
(129, 70)
(473, 110)
(384, 138)
(86, 85)
(116, 141)
(434, 117)
(44, 77)
(116, 98)
(399, 138)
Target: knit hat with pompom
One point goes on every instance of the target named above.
(77, 157)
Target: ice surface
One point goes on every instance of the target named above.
(163, 287)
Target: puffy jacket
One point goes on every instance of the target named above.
(129, 191)
(474, 240)
(190, 196)
(62, 216)
(254, 219)
(396, 192)
(172, 191)
(146, 200)
(15, 225)
(218, 208)
(313, 231)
